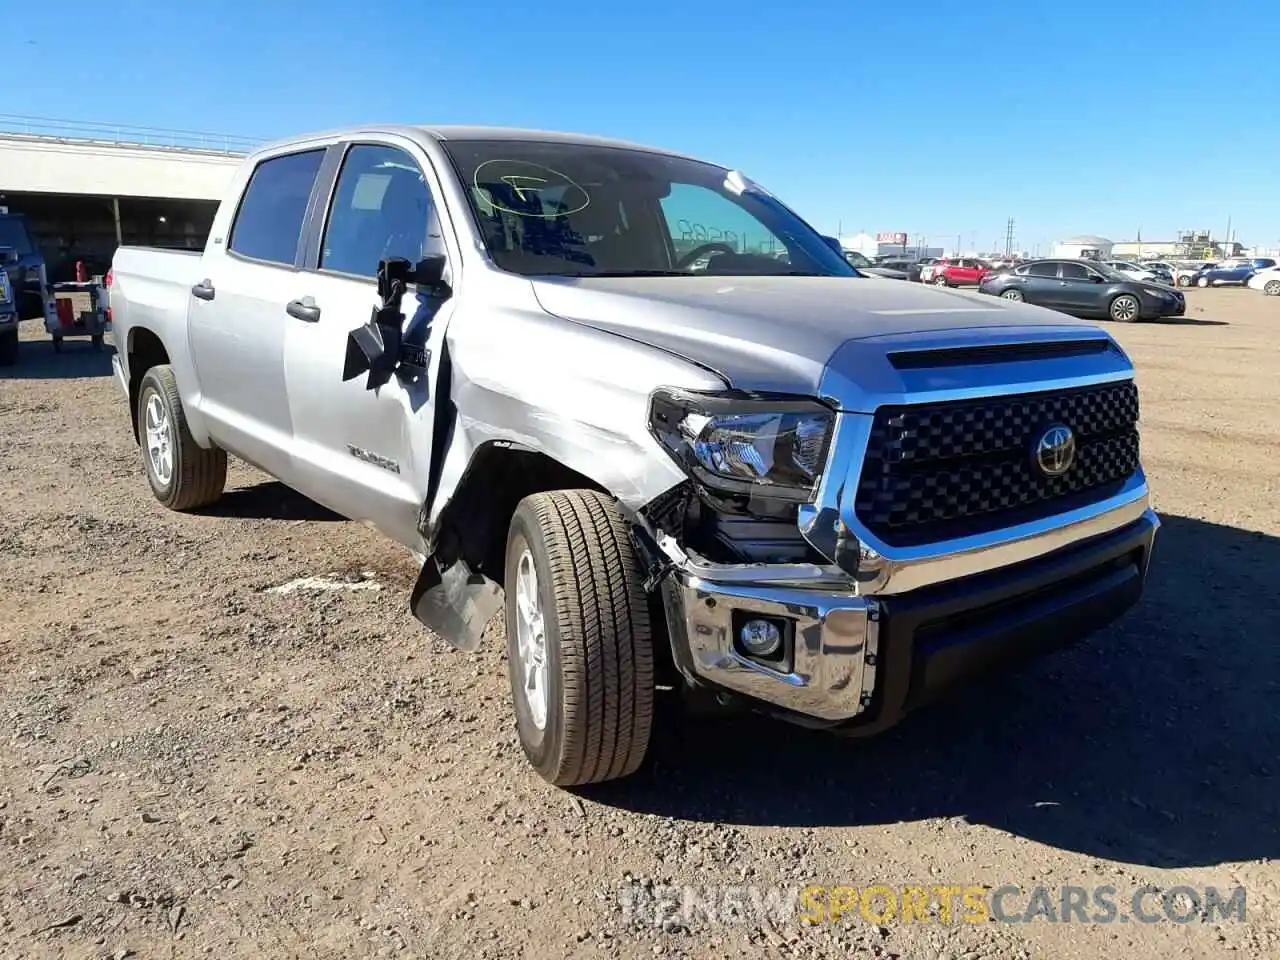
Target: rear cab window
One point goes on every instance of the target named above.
(268, 223)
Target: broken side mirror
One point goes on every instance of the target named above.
(377, 347)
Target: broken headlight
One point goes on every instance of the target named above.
(752, 446)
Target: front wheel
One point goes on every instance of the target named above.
(183, 475)
(1125, 308)
(1271, 288)
(579, 644)
(1015, 295)
(1202, 282)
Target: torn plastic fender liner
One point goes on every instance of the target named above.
(456, 603)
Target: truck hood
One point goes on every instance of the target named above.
(778, 334)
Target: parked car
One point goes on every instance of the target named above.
(899, 269)
(774, 481)
(8, 310)
(956, 272)
(27, 271)
(1235, 271)
(1267, 280)
(1142, 272)
(865, 266)
(1186, 271)
(1086, 288)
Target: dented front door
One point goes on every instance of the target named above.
(366, 452)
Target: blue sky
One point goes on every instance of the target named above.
(935, 118)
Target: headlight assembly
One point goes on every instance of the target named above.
(1158, 294)
(752, 446)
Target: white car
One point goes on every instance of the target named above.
(1133, 271)
(1184, 271)
(1267, 280)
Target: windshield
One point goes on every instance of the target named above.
(546, 208)
(13, 233)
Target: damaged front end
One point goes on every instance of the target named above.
(752, 607)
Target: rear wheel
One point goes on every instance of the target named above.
(1012, 295)
(940, 281)
(1271, 288)
(96, 340)
(183, 475)
(579, 645)
(1125, 308)
(8, 348)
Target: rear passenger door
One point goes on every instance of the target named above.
(236, 314)
(1041, 285)
(366, 453)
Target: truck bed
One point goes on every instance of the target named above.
(150, 287)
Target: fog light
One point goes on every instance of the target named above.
(760, 638)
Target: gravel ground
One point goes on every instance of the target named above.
(194, 765)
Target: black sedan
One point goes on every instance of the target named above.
(1085, 288)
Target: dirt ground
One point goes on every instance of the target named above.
(194, 765)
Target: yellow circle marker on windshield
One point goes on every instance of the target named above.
(528, 181)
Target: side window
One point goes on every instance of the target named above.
(696, 215)
(1075, 271)
(1044, 269)
(381, 208)
(269, 221)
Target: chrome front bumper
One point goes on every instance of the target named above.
(1042, 589)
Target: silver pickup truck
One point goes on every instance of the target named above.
(632, 398)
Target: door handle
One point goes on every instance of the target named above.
(304, 309)
(203, 290)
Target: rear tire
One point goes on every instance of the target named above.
(589, 717)
(940, 281)
(57, 344)
(96, 340)
(1271, 288)
(8, 348)
(183, 475)
(1015, 295)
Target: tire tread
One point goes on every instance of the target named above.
(201, 472)
(605, 649)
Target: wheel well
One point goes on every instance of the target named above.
(474, 523)
(145, 350)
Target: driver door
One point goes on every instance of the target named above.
(366, 453)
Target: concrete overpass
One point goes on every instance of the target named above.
(101, 185)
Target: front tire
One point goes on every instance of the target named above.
(1202, 282)
(579, 644)
(8, 348)
(183, 475)
(1125, 308)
